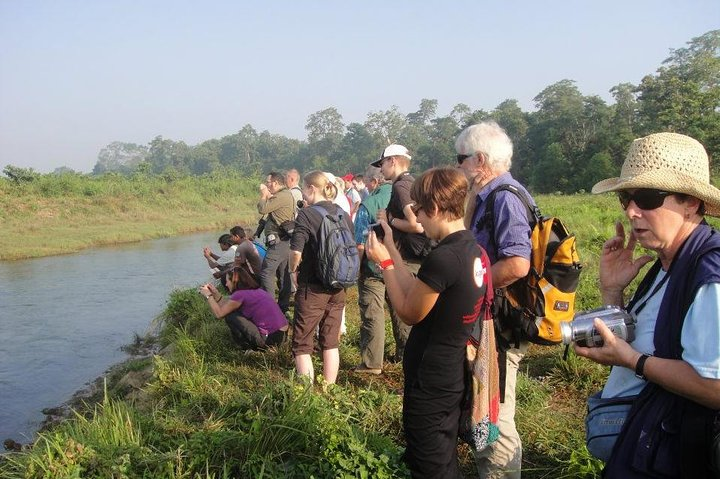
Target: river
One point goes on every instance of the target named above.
(64, 319)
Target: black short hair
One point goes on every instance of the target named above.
(238, 231)
(225, 239)
(277, 176)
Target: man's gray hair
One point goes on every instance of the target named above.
(373, 173)
(490, 139)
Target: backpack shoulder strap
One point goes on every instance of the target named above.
(488, 218)
(320, 210)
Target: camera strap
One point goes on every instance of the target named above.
(647, 298)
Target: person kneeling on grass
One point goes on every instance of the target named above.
(254, 318)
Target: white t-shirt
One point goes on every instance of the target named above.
(700, 338)
(227, 256)
(342, 201)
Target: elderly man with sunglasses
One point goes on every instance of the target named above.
(484, 154)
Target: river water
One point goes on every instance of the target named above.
(64, 319)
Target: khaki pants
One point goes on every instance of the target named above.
(371, 299)
(503, 459)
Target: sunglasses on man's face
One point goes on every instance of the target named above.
(461, 158)
(645, 199)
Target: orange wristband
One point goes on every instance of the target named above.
(386, 264)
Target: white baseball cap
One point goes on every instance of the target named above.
(392, 150)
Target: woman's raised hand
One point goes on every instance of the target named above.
(375, 249)
(617, 266)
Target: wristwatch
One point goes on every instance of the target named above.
(640, 367)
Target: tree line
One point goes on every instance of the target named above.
(567, 144)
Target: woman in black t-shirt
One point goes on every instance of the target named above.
(442, 304)
(315, 305)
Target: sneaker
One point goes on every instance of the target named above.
(361, 368)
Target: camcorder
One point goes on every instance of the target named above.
(581, 329)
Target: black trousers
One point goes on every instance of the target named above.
(248, 336)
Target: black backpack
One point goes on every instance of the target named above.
(338, 258)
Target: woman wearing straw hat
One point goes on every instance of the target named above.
(673, 365)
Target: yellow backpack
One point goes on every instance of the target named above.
(533, 307)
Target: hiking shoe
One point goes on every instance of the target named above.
(361, 368)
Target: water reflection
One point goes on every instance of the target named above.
(63, 319)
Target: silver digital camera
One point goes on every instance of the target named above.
(581, 329)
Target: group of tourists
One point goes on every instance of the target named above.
(429, 253)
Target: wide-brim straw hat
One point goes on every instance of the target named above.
(669, 162)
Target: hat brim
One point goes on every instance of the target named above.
(667, 180)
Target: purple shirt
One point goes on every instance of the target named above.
(261, 309)
(512, 231)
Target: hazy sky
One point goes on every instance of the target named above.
(78, 75)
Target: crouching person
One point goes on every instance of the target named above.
(254, 318)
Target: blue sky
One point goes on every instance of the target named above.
(78, 75)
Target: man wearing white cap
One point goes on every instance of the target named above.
(413, 245)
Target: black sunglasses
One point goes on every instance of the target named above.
(461, 158)
(645, 199)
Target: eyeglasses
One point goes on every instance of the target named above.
(645, 199)
(416, 208)
(461, 158)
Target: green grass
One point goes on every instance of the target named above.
(212, 411)
(67, 213)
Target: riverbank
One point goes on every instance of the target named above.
(203, 408)
(65, 215)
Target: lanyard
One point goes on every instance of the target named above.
(655, 290)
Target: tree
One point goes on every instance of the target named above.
(120, 157)
(576, 125)
(64, 170)
(358, 148)
(20, 175)
(599, 167)
(461, 113)
(684, 94)
(325, 132)
(386, 126)
(165, 155)
(514, 121)
(440, 149)
(551, 173)
(425, 113)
